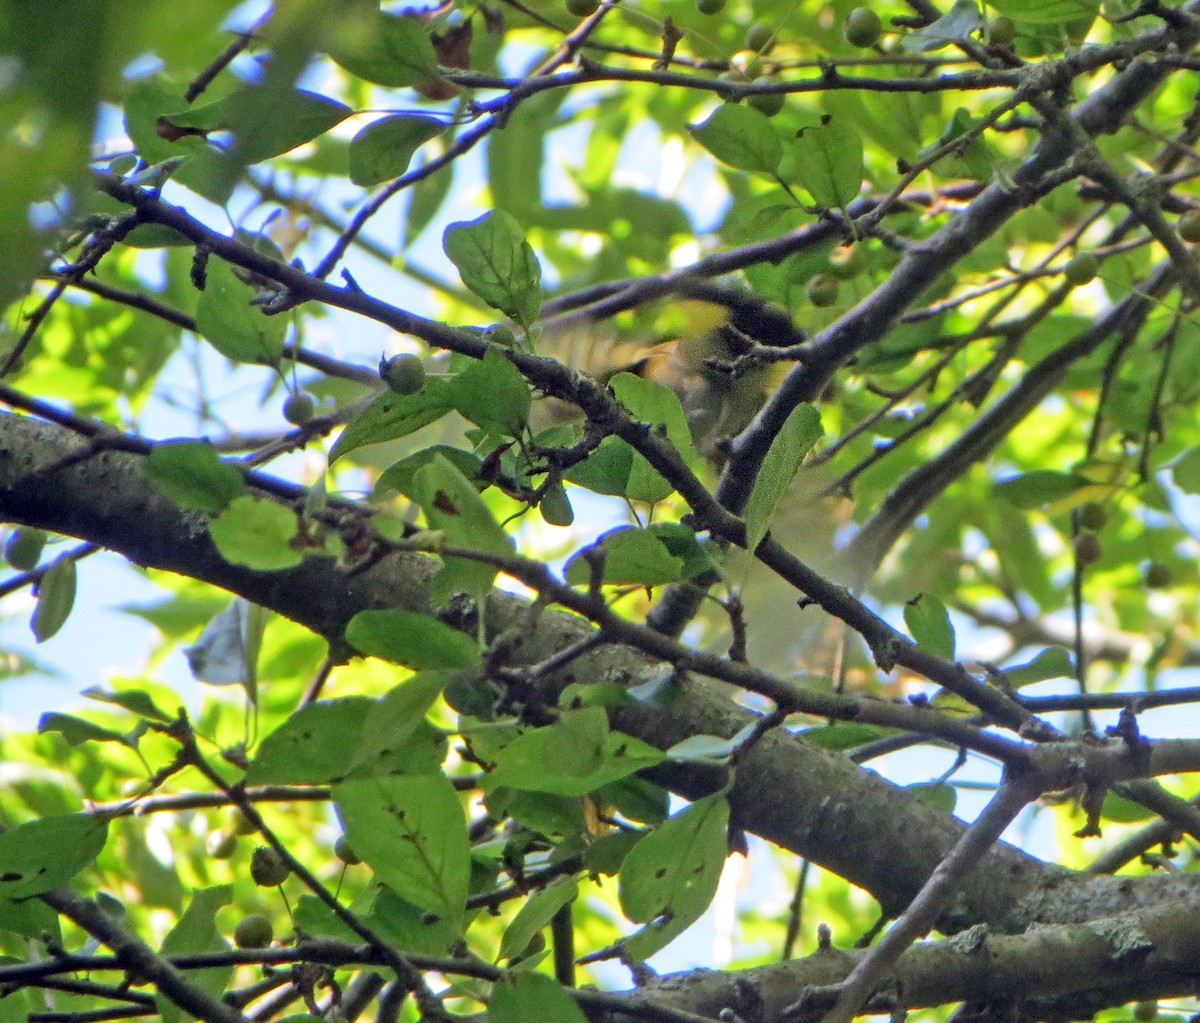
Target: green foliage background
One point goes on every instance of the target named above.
(776, 410)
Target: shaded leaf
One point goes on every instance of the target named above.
(384, 148)
(795, 439)
(1040, 487)
(55, 598)
(76, 730)
(390, 50)
(312, 746)
(524, 996)
(191, 473)
(235, 327)
(571, 757)
(537, 912)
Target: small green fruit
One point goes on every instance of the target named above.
(1087, 549)
(1093, 516)
(404, 373)
(1144, 1012)
(582, 8)
(769, 103)
(863, 27)
(240, 824)
(1001, 31)
(710, 6)
(267, 867)
(24, 548)
(343, 851)
(555, 506)
(221, 844)
(1081, 269)
(760, 38)
(822, 290)
(253, 931)
(1158, 576)
(298, 408)
(1188, 226)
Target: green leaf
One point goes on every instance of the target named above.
(741, 137)
(955, 26)
(396, 735)
(614, 467)
(136, 701)
(400, 476)
(492, 391)
(669, 878)
(77, 731)
(191, 473)
(417, 641)
(1040, 487)
(384, 148)
(1046, 12)
(606, 470)
(48, 852)
(1123, 811)
(196, 934)
(632, 557)
(929, 623)
(937, 794)
(55, 598)
(313, 746)
(799, 433)
(392, 50)
(391, 416)
(497, 264)
(572, 757)
(524, 996)
(708, 748)
(1185, 470)
(409, 927)
(827, 162)
(453, 505)
(843, 736)
(314, 919)
(1053, 662)
(412, 832)
(537, 912)
(257, 533)
(265, 120)
(234, 326)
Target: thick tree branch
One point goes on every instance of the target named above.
(805, 799)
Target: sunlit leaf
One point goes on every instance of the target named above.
(741, 137)
(413, 834)
(43, 854)
(497, 263)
